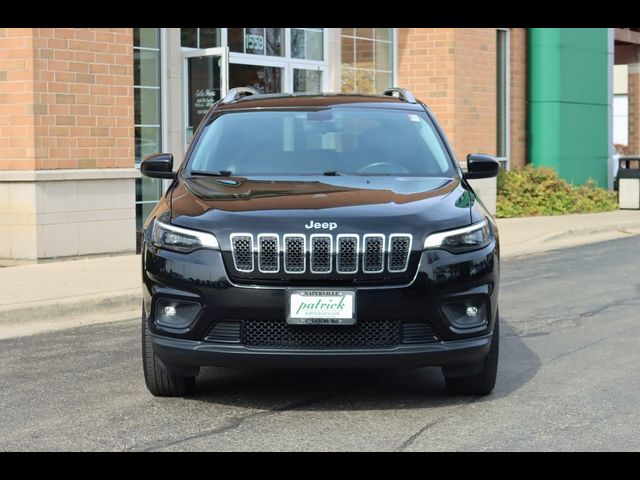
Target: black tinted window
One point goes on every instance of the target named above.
(361, 141)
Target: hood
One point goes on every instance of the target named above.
(344, 204)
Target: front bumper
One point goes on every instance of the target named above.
(184, 357)
(200, 277)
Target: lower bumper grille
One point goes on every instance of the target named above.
(279, 334)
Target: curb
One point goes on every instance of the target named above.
(108, 302)
(622, 227)
(579, 237)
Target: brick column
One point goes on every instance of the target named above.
(17, 143)
(66, 142)
(426, 66)
(453, 70)
(518, 97)
(634, 109)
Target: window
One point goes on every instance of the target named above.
(257, 41)
(203, 87)
(621, 119)
(502, 99)
(258, 58)
(307, 81)
(367, 59)
(353, 141)
(307, 43)
(200, 37)
(264, 79)
(147, 116)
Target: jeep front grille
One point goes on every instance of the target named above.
(347, 253)
(373, 253)
(295, 253)
(321, 253)
(399, 248)
(242, 248)
(268, 253)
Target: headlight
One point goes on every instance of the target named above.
(181, 239)
(465, 239)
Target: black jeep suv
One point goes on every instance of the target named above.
(320, 231)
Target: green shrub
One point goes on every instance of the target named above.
(539, 191)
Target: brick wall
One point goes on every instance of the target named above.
(453, 70)
(427, 68)
(68, 96)
(518, 97)
(17, 148)
(474, 91)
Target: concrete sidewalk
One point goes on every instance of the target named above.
(46, 296)
(533, 235)
(55, 295)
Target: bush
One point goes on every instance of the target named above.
(539, 191)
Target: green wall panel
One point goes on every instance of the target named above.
(568, 102)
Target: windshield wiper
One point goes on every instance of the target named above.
(332, 173)
(220, 173)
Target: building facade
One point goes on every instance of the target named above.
(80, 108)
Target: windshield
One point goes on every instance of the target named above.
(332, 141)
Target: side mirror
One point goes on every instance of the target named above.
(480, 165)
(158, 165)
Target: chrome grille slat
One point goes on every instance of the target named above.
(242, 250)
(295, 253)
(369, 254)
(268, 253)
(321, 246)
(373, 253)
(347, 253)
(399, 250)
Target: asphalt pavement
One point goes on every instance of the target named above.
(568, 380)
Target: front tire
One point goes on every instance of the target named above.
(483, 382)
(160, 382)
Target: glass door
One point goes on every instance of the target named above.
(205, 82)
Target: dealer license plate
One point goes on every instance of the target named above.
(321, 307)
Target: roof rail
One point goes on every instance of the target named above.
(237, 93)
(401, 93)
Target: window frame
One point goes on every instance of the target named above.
(393, 64)
(505, 159)
(286, 62)
(200, 47)
(161, 52)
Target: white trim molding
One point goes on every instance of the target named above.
(507, 100)
(67, 174)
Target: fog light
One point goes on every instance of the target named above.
(176, 314)
(466, 314)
